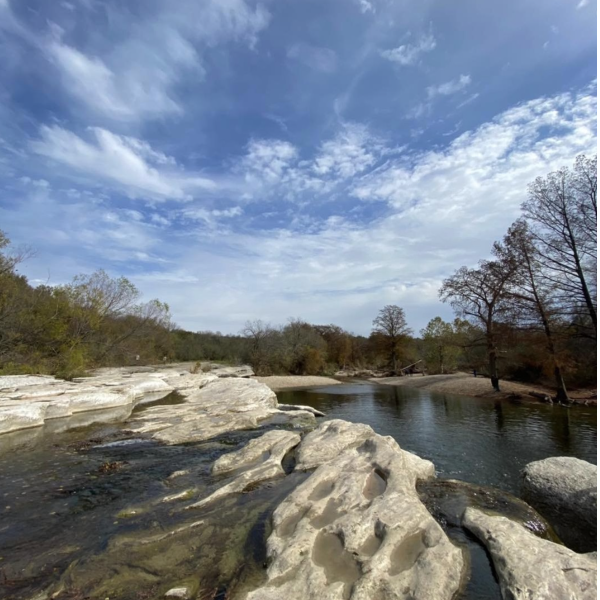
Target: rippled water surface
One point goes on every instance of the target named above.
(473, 439)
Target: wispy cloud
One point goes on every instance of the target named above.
(319, 59)
(409, 54)
(126, 161)
(449, 87)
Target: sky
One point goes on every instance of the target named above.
(315, 159)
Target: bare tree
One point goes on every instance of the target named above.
(533, 299)
(390, 323)
(260, 335)
(562, 214)
(480, 295)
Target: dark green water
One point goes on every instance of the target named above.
(472, 439)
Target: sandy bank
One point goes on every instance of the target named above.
(464, 384)
(287, 382)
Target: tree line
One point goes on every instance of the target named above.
(528, 313)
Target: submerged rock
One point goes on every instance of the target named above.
(182, 593)
(447, 500)
(529, 568)
(564, 490)
(356, 529)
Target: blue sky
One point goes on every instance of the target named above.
(287, 158)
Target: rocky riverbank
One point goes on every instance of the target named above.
(350, 522)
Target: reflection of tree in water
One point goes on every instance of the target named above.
(560, 427)
(499, 416)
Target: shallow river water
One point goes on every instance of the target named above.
(81, 511)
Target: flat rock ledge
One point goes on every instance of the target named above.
(528, 567)
(214, 403)
(356, 528)
(564, 490)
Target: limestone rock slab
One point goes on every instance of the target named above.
(528, 567)
(356, 529)
(333, 437)
(258, 461)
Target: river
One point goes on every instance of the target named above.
(83, 509)
(472, 439)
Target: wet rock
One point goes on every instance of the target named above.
(529, 568)
(309, 409)
(356, 529)
(564, 490)
(273, 445)
(258, 461)
(447, 500)
(333, 437)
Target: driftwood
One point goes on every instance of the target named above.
(541, 396)
(402, 369)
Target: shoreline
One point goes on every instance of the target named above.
(463, 384)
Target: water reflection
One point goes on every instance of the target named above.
(473, 439)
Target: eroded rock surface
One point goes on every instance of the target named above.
(356, 529)
(335, 436)
(530, 568)
(32, 401)
(258, 461)
(222, 405)
(564, 490)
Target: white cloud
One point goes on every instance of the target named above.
(409, 54)
(319, 59)
(582, 4)
(121, 160)
(135, 76)
(366, 6)
(268, 160)
(352, 151)
(444, 209)
(449, 87)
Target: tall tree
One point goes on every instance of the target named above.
(480, 295)
(534, 301)
(440, 346)
(562, 214)
(391, 325)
